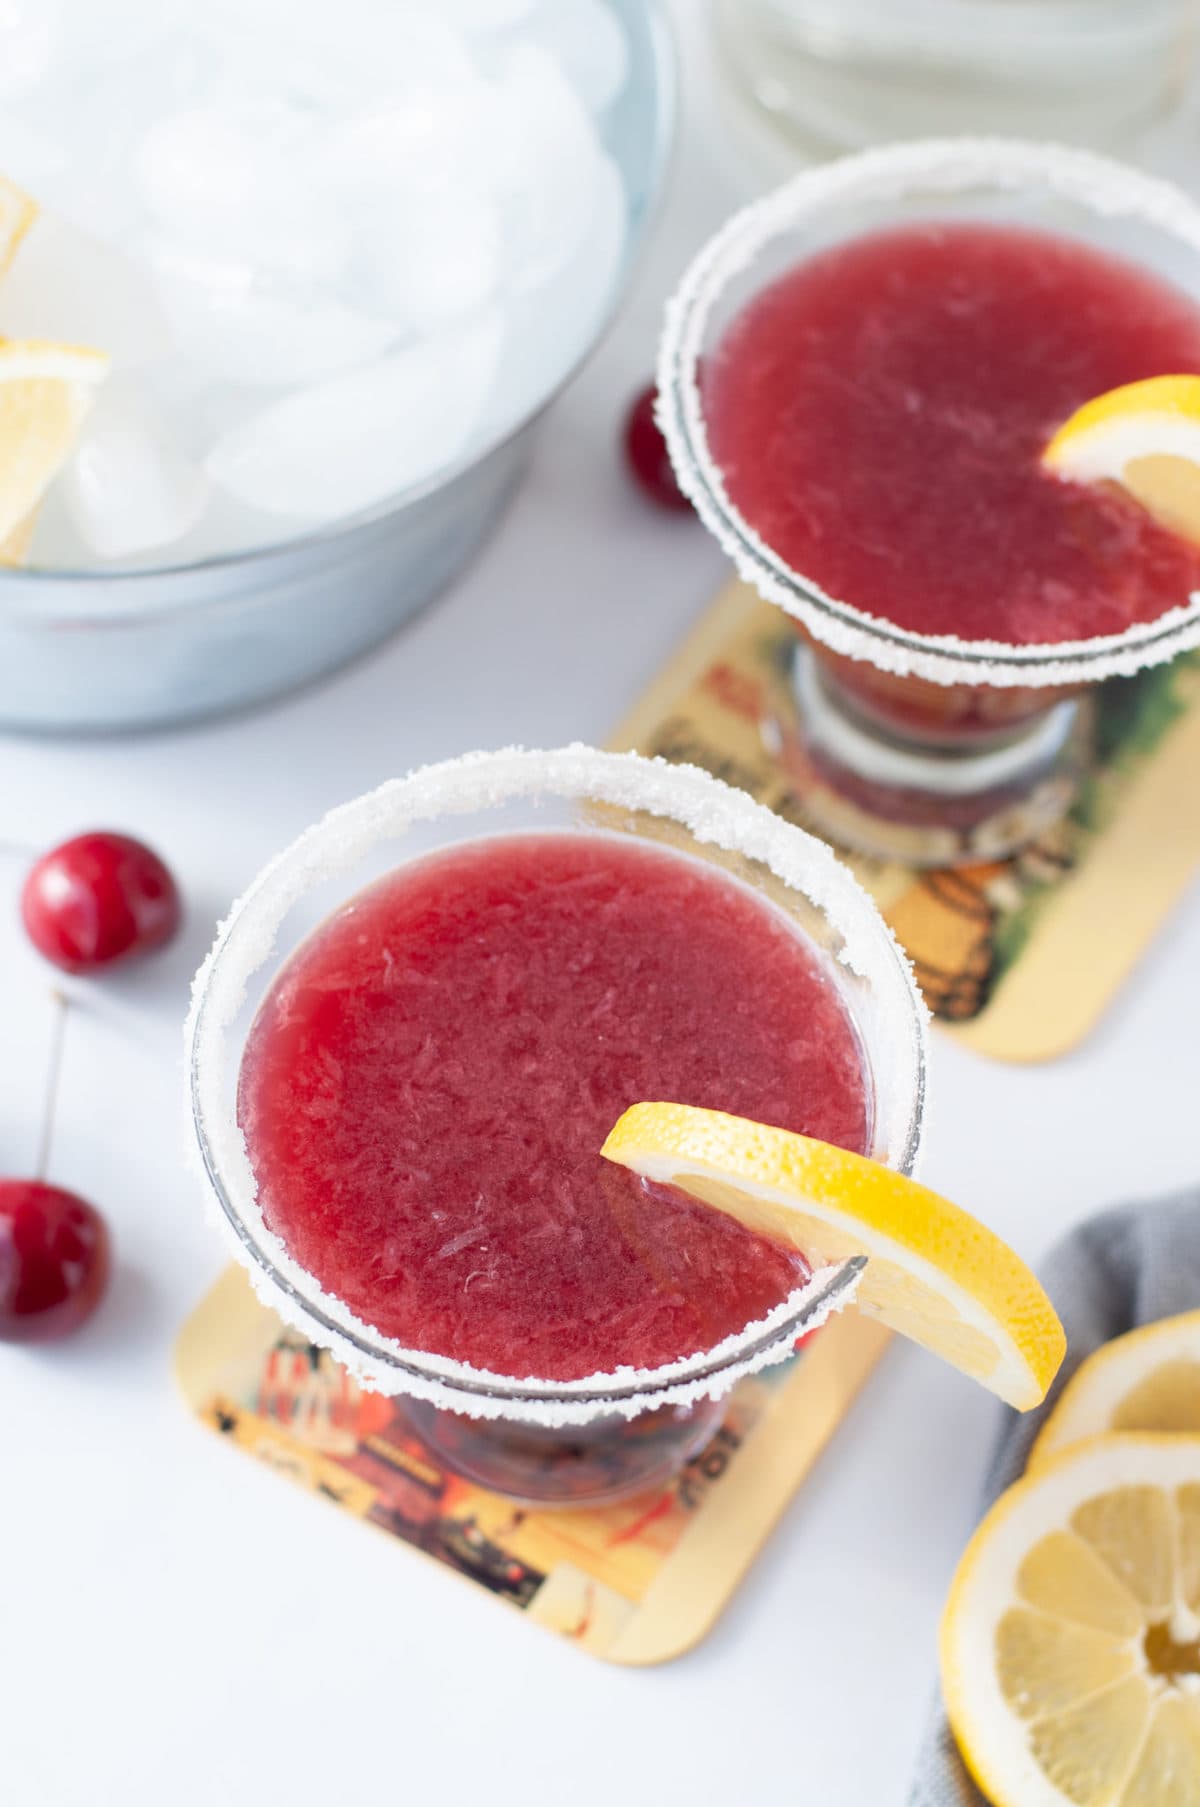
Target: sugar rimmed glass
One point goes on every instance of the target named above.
(924, 746)
(577, 1442)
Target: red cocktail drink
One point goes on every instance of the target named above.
(429, 1081)
(888, 346)
(879, 414)
(424, 1082)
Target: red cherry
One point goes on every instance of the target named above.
(98, 899)
(647, 456)
(54, 1261)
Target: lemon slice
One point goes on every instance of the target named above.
(933, 1273)
(45, 393)
(1144, 436)
(1070, 1643)
(1148, 1380)
(17, 214)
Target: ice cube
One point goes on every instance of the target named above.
(482, 17)
(129, 486)
(241, 182)
(118, 65)
(345, 445)
(67, 285)
(589, 44)
(400, 43)
(29, 38)
(195, 169)
(199, 409)
(115, 34)
(265, 335)
(33, 159)
(545, 153)
(228, 526)
(333, 57)
(433, 259)
(551, 325)
(433, 127)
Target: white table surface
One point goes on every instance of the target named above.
(179, 1626)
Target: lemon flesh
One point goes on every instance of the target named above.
(46, 391)
(1070, 1643)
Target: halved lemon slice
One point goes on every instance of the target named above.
(17, 214)
(45, 393)
(1070, 1643)
(1144, 436)
(933, 1272)
(1148, 1380)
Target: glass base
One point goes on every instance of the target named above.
(578, 1466)
(895, 798)
(832, 76)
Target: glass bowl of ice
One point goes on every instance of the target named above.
(338, 259)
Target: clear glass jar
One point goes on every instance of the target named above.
(838, 75)
(926, 747)
(563, 1442)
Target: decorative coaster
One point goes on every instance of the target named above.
(638, 1582)
(1019, 957)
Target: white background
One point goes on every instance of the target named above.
(178, 1625)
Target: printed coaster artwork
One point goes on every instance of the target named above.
(1018, 958)
(638, 1582)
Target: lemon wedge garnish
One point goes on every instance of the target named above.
(933, 1272)
(1070, 1643)
(45, 393)
(1144, 436)
(1148, 1380)
(17, 214)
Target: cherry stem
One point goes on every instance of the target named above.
(58, 1033)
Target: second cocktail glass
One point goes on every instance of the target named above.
(578, 1441)
(935, 747)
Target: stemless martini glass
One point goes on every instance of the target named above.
(587, 1440)
(933, 747)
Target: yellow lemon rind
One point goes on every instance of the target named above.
(1165, 398)
(18, 211)
(1102, 1383)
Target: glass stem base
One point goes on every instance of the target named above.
(895, 797)
(583, 1467)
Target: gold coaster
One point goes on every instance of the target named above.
(639, 1582)
(1018, 957)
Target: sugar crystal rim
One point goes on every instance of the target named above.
(941, 166)
(713, 813)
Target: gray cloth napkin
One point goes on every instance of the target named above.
(1124, 1268)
